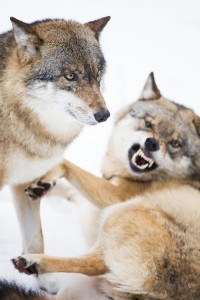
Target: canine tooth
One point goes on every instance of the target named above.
(142, 155)
(134, 157)
(143, 166)
(151, 163)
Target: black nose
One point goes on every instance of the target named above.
(102, 115)
(152, 144)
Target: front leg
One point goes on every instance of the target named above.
(90, 264)
(98, 190)
(28, 213)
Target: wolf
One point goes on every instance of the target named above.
(145, 146)
(147, 245)
(50, 76)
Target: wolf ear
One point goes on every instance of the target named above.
(98, 25)
(27, 40)
(150, 90)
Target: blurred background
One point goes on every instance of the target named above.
(142, 36)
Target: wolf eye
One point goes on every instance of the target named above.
(148, 124)
(175, 144)
(71, 77)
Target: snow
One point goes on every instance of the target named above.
(142, 36)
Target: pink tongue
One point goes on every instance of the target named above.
(140, 161)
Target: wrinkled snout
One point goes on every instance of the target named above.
(102, 115)
(141, 158)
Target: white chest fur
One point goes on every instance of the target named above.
(25, 169)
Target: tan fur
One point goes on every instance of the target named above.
(42, 108)
(147, 247)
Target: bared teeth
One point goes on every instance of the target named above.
(151, 163)
(149, 160)
(142, 167)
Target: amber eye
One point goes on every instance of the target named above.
(175, 144)
(71, 77)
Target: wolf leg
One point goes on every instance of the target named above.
(90, 264)
(28, 213)
(99, 191)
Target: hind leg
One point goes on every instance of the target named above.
(28, 213)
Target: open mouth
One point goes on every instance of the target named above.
(141, 160)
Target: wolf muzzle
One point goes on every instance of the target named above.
(102, 115)
(140, 158)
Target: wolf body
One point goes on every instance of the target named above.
(50, 74)
(147, 247)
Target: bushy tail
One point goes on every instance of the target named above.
(12, 291)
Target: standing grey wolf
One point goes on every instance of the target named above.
(50, 74)
(147, 246)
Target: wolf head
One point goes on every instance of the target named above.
(155, 138)
(61, 64)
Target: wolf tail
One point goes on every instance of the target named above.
(12, 291)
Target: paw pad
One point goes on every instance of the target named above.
(39, 189)
(21, 264)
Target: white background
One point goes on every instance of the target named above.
(143, 36)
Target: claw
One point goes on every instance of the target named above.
(21, 264)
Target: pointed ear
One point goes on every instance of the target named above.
(150, 90)
(98, 25)
(26, 38)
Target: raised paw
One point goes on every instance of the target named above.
(39, 189)
(24, 266)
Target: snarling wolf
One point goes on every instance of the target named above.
(50, 75)
(147, 246)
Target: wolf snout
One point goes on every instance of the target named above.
(152, 144)
(102, 115)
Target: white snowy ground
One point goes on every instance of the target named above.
(143, 36)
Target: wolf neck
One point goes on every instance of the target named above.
(40, 131)
(48, 126)
(59, 124)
